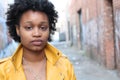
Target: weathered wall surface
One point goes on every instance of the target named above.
(116, 7)
(97, 26)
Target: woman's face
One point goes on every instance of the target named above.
(33, 30)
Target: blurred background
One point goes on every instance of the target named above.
(88, 32)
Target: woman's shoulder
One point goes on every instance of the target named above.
(5, 62)
(5, 66)
(64, 61)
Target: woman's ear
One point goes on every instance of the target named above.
(17, 30)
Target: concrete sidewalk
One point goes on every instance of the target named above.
(85, 68)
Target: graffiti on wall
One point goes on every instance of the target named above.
(92, 29)
(3, 36)
(7, 44)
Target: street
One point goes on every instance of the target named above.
(85, 68)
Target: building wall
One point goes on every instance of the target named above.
(4, 6)
(97, 29)
(3, 28)
(116, 4)
(109, 34)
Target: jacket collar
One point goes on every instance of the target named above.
(51, 52)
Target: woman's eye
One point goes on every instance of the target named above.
(28, 28)
(43, 28)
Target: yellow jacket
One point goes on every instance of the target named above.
(58, 66)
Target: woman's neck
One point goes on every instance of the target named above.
(33, 56)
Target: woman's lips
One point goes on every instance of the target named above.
(37, 42)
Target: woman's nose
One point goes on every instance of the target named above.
(37, 32)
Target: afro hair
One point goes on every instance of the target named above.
(17, 9)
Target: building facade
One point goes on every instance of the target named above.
(116, 8)
(96, 23)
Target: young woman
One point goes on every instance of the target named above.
(31, 22)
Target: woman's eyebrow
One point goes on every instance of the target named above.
(31, 22)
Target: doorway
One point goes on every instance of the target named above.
(81, 32)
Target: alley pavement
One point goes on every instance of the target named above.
(85, 68)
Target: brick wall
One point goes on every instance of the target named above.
(109, 34)
(97, 22)
(100, 27)
(116, 4)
